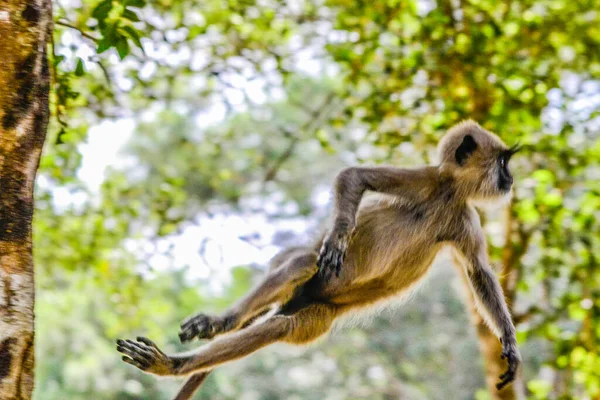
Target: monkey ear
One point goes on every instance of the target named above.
(466, 148)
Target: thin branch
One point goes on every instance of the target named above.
(316, 114)
(95, 40)
(526, 315)
(105, 72)
(84, 34)
(272, 172)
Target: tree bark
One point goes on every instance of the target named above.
(25, 29)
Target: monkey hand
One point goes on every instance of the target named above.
(145, 355)
(510, 352)
(203, 326)
(333, 252)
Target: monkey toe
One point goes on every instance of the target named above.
(135, 354)
(510, 374)
(505, 379)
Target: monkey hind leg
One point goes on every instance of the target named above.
(302, 327)
(290, 269)
(310, 323)
(285, 255)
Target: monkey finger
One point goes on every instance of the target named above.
(131, 361)
(125, 350)
(141, 365)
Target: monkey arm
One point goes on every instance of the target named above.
(492, 305)
(350, 184)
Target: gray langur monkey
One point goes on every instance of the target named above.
(375, 249)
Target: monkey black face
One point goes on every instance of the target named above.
(505, 179)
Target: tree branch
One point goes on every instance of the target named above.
(84, 34)
(513, 252)
(272, 172)
(104, 72)
(315, 114)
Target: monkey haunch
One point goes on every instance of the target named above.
(377, 248)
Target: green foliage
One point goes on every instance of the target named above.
(390, 77)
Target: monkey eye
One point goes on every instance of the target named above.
(502, 161)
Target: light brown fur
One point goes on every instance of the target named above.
(378, 248)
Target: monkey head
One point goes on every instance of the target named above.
(477, 160)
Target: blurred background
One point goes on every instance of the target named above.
(193, 139)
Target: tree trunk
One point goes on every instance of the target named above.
(25, 29)
(491, 350)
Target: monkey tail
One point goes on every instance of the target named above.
(191, 385)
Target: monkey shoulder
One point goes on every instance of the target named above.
(455, 224)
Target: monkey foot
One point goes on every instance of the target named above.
(201, 326)
(331, 258)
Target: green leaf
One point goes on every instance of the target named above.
(60, 136)
(103, 45)
(122, 47)
(58, 59)
(79, 70)
(101, 11)
(130, 15)
(167, 229)
(197, 30)
(133, 35)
